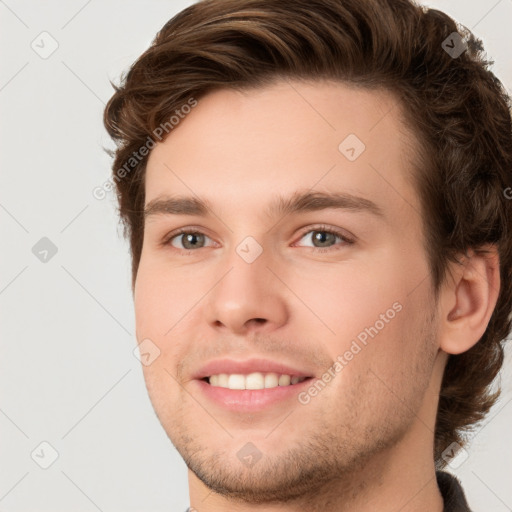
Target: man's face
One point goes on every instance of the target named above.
(255, 283)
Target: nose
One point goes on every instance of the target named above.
(248, 297)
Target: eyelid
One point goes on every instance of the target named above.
(335, 231)
(347, 239)
(183, 231)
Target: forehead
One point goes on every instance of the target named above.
(239, 149)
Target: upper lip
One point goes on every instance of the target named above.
(231, 366)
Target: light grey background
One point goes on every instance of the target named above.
(68, 376)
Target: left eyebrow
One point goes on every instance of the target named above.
(314, 201)
(280, 206)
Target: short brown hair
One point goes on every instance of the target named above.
(454, 104)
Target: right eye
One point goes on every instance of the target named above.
(188, 239)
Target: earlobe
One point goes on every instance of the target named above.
(467, 299)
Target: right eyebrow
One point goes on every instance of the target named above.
(177, 206)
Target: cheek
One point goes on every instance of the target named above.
(369, 315)
(162, 298)
(351, 298)
(161, 303)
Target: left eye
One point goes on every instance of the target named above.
(326, 238)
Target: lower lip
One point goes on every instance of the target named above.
(251, 400)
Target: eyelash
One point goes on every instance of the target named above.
(321, 228)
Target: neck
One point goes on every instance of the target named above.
(399, 478)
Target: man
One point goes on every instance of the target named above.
(315, 196)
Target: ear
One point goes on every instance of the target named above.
(467, 299)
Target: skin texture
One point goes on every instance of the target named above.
(365, 441)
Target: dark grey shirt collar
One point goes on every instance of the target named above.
(452, 492)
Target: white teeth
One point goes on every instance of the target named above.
(271, 380)
(284, 380)
(223, 379)
(236, 381)
(256, 380)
